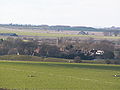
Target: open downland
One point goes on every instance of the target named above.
(33, 33)
(58, 76)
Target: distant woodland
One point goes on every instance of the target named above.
(57, 27)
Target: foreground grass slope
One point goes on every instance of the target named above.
(54, 75)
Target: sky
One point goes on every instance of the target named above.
(93, 13)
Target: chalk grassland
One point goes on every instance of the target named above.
(58, 76)
(31, 58)
(52, 34)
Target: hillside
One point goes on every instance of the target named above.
(47, 27)
(27, 75)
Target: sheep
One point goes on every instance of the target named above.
(31, 76)
(116, 75)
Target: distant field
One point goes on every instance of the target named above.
(58, 76)
(34, 33)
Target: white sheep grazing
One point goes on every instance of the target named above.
(116, 75)
(31, 76)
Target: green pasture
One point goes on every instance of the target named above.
(29, 33)
(29, 75)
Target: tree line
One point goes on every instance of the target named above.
(84, 50)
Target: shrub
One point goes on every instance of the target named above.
(77, 59)
(116, 62)
(108, 62)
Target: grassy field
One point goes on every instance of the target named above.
(31, 58)
(31, 75)
(33, 33)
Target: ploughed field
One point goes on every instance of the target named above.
(31, 75)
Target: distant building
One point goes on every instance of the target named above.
(99, 52)
(82, 33)
(8, 34)
(96, 52)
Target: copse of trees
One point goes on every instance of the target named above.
(84, 50)
(17, 46)
(48, 50)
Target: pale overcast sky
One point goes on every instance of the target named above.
(95, 13)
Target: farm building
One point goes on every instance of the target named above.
(83, 33)
(8, 34)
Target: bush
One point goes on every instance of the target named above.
(116, 62)
(108, 55)
(108, 62)
(77, 59)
